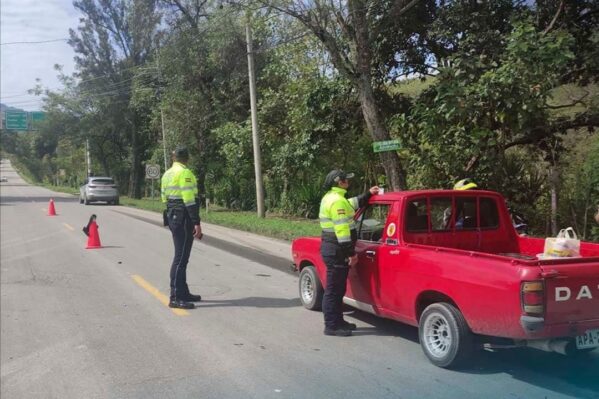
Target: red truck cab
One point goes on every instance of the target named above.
(451, 263)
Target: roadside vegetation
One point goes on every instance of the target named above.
(504, 92)
(276, 226)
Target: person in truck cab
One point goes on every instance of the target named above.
(461, 221)
(337, 246)
(519, 222)
(465, 184)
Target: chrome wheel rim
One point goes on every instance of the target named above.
(437, 335)
(307, 288)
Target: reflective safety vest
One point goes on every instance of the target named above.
(179, 183)
(337, 214)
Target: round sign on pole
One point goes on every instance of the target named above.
(152, 171)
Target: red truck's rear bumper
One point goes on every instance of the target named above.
(535, 327)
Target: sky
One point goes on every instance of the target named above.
(21, 64)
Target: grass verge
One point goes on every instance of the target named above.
(274, 226)
(271, 226)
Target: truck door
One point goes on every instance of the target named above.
(364, 277)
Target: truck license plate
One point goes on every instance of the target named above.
(588, 340)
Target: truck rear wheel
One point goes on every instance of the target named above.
(444, 335)
(310, 289)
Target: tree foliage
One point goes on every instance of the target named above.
(504, 91)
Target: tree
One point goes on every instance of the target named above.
(350, 31)
(115, 38)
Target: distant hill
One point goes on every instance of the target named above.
(4, 107)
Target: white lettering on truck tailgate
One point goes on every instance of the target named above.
(564, 293)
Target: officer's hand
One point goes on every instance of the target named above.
(374, 190)
(353, 260)
(197, 232)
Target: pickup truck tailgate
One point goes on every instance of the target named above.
(572, 291)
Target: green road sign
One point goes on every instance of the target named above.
(389, 145)
(36, 118)
(16, 120)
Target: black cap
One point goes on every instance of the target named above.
(335, 176)
(181, 152)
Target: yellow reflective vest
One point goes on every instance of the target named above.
(179, 185)
(337, 217)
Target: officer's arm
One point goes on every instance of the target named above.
(341, 225)
(163, 188)
(189, 186)
(360, 201)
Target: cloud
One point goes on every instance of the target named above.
(22, 64)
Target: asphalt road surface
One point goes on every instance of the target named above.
(79, 323)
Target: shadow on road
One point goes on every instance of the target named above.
(381, 327)
(551, 371)
(254, 302)
(548, 370)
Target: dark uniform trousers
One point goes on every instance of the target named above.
(337, 271)
(181, 227)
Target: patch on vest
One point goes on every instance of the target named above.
(187, 180)
(340, 211)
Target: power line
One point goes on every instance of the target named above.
(139, 67)
(17, 95)
(38, 42)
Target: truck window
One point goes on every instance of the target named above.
(372, 222)
(465, 218)
(489, 216)
(417, 216)
(441, 213)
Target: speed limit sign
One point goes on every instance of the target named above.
(152, 171)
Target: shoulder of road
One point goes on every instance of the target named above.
(267, 245)
(254, 247)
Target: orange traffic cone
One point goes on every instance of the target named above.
(51, 210)
(93, 240)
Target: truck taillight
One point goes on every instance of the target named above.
(532, 294)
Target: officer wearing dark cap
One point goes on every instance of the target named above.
(179, 191)
(337, 246)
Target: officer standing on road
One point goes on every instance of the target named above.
(337, 246)
(179, 190)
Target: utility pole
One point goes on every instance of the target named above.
(161, 109)
(255, 139)
(88, 158)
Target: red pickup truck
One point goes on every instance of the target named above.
(451, 263)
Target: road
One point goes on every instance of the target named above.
(79, 323)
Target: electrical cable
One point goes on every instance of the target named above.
(37, 42)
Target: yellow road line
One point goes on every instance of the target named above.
(68, 226)
(157, 294)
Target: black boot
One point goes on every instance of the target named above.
(180, 304)
(192, 298)
(338, 332)
(348, 326)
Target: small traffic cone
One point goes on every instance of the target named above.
(93, 241)
(51, 210)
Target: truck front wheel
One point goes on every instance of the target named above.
(310, 289)
(444, 335)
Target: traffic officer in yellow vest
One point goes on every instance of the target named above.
(337, 246)
(179, 191)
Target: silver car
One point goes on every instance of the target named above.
(99, 189)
